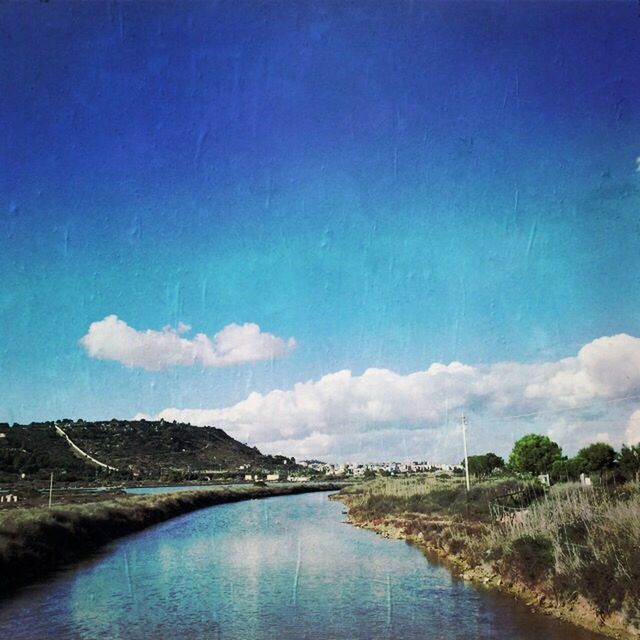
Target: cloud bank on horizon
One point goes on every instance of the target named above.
(343, 414)
(113, 339)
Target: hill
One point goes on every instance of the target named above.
(127, 449)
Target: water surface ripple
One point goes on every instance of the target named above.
(282, 568)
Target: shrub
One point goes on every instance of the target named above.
(597, 580)
(531, 558)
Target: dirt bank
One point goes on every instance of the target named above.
(437, 544)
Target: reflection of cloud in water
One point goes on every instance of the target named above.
(283, 568)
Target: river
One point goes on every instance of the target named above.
(182, 487)
(280, 568)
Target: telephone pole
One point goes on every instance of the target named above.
(51, 490)
(464, 421)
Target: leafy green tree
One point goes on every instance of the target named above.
(494, 462)
(535, 454)
(598, 457)
(629, 462)
(483, 465)
(567, 469)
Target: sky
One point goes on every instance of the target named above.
(326, 227)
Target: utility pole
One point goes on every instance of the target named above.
(51, 490)
(463, 420)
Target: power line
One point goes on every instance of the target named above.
(565, 410)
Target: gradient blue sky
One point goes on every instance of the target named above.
(392, 183)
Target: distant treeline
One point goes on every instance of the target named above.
(536, 454)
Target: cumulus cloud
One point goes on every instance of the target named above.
(113, 339)
(312, 446)
(342, 412)
(605, 368)
(632, 433)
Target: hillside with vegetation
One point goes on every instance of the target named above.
(136, 450)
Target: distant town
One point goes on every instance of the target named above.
(318, 468)
(117, 452)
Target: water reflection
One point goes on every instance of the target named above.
(279, 568)
(181, 487)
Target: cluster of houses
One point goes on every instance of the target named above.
(391, 468)
(275, 477)
(316, 468)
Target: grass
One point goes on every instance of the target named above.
(430, 495)
(562, 544)
(579, 542)
(34, 541)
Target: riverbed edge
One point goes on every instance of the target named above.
(40, 541)
(579, 613)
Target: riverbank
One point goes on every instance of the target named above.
(36, 541)
(570, 554)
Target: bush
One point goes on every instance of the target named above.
(586, 542)
(597, 580)
(531, 558)
(398, 496)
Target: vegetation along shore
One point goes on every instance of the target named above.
(35, 541)
(571, 550)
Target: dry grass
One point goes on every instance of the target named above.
(428, 494)
(576, 541)
(405, 487)
(566, 543)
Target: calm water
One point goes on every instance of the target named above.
(182, 487)
(282, 568)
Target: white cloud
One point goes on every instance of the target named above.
(574, 433)
(345, 414)
(312, 446)
(632, 433)
(113, 339)
(608, 367)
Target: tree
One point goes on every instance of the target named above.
(534, 454)
(598, 457)
(494, 462)
(629, 461)
(565, 470)
(482, 466)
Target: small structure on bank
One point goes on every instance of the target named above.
(545, 479)
(585, 480)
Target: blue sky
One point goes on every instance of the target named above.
(391, 184)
